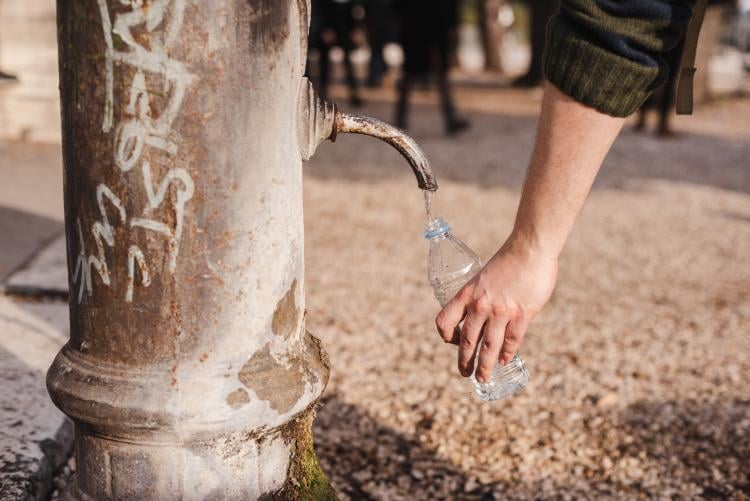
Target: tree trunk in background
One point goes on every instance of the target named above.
(189, 373)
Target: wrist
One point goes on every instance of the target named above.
(531, 246)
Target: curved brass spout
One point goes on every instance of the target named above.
(320, 120)
(397, 138)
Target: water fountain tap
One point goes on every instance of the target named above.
(321, 120)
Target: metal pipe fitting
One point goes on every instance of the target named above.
(320, 120)
(397, 138)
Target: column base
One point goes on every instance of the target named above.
(278, 465)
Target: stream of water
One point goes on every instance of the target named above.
(428, 204)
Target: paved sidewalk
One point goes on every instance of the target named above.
(35, 438)
(44, 274)
(31, 218)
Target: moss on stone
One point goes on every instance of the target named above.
(313, 483)
(306, 480)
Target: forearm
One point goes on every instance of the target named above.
(572, 141)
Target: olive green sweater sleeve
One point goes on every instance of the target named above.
(608, 54)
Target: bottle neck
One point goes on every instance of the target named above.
(436, 229)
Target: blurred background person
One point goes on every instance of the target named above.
(663, 98)
(428, 35)
(541, 12)
(332, 24)
(379, 20)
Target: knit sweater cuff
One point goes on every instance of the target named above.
(594, 76)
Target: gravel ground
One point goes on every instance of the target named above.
(640, 363)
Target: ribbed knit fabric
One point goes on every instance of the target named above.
(594, 76)
(608, 55)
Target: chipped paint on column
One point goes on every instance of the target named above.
(188, 353)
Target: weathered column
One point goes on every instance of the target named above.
(189, 373)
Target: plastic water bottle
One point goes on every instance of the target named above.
(451, 264)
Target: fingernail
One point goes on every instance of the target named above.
(481, 379)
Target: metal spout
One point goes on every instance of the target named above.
(320, 120)
(397, 138)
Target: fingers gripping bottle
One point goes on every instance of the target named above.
(450, 265)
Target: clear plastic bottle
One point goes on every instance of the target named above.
(450, 265)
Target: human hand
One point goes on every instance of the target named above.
(497, 305)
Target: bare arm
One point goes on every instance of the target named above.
(572, 141)
(502, 300)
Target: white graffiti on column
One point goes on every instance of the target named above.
(101, 230)
(137, 132)
(135, 256)
(185, 189)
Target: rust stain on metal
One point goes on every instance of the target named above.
(286, 315)
(174, 309)
(238, 398)
(273, 382)
(226, 238)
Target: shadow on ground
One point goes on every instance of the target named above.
(706, 443)
(22, 234)
(367, 460)
(495, 152)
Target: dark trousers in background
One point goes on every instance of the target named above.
(541, 12)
